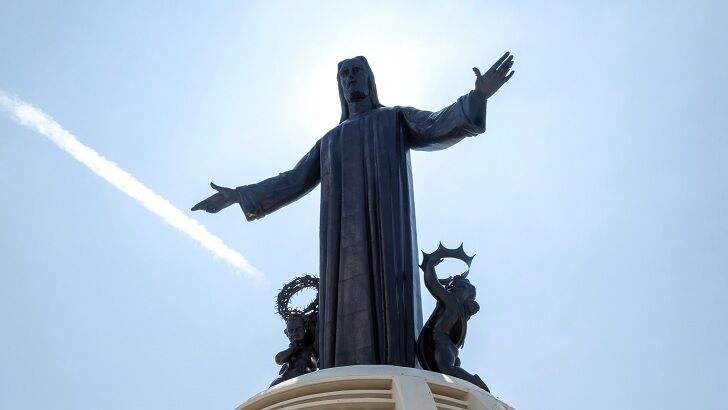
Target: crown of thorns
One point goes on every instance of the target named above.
(441, 253)
(292, 288)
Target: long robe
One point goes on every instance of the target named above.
(369, 293)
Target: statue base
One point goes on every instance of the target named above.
(374, 388)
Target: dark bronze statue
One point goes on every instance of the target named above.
(444, 333)
(301, 356)
(370, 298)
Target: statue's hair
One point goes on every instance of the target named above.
(296, 314)
(372, 87)
(462, 279)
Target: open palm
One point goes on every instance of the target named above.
(218, 201)
(489, 82)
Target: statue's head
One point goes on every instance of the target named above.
(356, 82)
(461, 288)
(296, 327)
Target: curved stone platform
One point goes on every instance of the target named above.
(374, 388)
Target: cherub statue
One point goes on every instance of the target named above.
(445, 330)
(301, 356)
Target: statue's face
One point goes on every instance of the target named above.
(295, 329)
(354, 80)
(462, 290)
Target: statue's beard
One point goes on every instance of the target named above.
(356, 96)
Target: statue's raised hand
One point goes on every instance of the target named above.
(489, 82)
(219, 201)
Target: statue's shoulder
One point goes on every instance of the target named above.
(394, 110)
(333, 131)
(390, 113)
(382, 110)
(404, 110)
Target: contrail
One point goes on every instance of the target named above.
(35, 119)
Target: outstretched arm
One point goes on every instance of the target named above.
(258, 200)
(430, 131)
(223, 198)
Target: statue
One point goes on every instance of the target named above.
(301, 356)
(445, 330)
(369, 294)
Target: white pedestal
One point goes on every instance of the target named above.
(374, 388)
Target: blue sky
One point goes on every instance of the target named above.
(596, 201)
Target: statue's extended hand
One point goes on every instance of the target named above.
(488, 83)
(219, 201)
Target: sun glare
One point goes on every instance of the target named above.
(319, 98)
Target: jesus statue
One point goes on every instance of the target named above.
(369, 293)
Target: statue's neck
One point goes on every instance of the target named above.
(360, 107)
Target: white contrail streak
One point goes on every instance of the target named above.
(35, 119)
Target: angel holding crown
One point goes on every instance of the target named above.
(445, 330)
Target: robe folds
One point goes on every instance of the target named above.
(369, 293)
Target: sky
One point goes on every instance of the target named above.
(596, 202)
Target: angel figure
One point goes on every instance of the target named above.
(445, 330)
(301, 356)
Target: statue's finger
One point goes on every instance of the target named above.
(215, 187)
(503, 70)
(506, 63)
(477, 72)
(500, 61)
(508, 77)
(199, 206)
